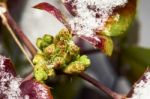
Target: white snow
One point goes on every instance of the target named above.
(92, 15)
(9, 85)
(142, 89)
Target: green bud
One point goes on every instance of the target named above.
(74, 68)
(64, 34)
(44, 45)
(49, 50)
(39, 43)
(39, 59)
(40, 73)
(48, 38)
(58, 62)
(73, 49)
(61, 44)
(84, 60)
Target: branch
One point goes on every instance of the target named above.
(3, 12)
(16, 29)
(7, 19)
(100, 86)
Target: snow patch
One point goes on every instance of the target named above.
(92, 15)
(142, 89)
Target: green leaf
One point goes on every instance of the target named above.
(138, 59)
(138, 54)
(115, 26)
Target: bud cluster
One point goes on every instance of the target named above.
(58, 53)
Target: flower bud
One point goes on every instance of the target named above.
(84, 60)
(49, 50)
(64, 34)
(73, 49)
(74, 68)
(58, 62)
(39, 43)
(48, 38)
(40, 73)
(39, 59)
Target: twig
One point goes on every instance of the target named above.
(20, 34)
(100, 86)
(3, 12)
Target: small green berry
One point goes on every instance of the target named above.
(84, 60)
(49, 50)
(48, 38)
(58, 62)
(74, 68)
(39, 43)
(73, 49)
(40, 73)
(39, 59)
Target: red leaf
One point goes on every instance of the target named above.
(52, 10)
(35, 90)
(6, 66)
(71, 8)
(102, 42)
(13, 87)
(99, 41)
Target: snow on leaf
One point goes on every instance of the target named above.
(12, 87)
(114, 17)
(102, 42)
(141, 88)
(70, 7)
(35, 90)
(9, 84)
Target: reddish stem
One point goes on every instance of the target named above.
(20, 34)
(100, 86)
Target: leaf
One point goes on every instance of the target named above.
(35, 90)
(140, 89)
(112, 27)
(104, 43)
(138, 54)
(138, 59)
(126, 16)
(69, 6)
(52, 10)
(6, 66)
(13, 87)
